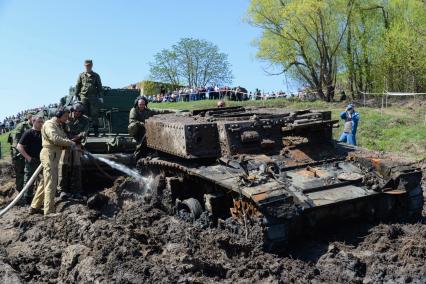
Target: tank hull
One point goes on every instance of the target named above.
(278, 168)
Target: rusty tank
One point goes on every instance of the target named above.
(275, 167)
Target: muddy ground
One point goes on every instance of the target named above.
(126, 237)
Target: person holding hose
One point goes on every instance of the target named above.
(30, 147)
(351, 118)
(54, 140)
(77, 128)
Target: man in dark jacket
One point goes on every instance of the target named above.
(30, 147)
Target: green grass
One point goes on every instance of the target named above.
(5, 147)
(397, 129)
(268, 103)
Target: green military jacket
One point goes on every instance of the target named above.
(140, 116)
(88, 84)
(16, 135)
(78, 126)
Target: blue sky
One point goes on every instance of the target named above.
(44, 43)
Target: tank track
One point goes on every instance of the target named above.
(275, 232)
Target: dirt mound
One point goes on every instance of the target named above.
(126, 237)
(7, 183)
(389, 253)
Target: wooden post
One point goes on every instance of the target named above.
(387, 95)
(364, 98)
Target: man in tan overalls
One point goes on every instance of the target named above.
(54, 140)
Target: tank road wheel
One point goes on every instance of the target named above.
(160, 195)
(192, 206)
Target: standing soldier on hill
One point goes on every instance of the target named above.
(70, 163)
(89, 91)
(18, 160)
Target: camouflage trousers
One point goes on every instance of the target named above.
(137, 131)
(69, 176)
(30, 168)
(91, 105)
(19, 166)
(46, 194)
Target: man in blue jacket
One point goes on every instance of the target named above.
(351, 118)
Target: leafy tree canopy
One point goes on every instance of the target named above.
(192, 62)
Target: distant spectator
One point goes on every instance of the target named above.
(221, 104)
(351, 118)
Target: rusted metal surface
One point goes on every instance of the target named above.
(277, 164)
(243, 209)
(182, 136)
(234, 131)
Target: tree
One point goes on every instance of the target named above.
(363, 45)
(166, 67)
(303, 38)
(191, 62)
(368, 21)
(401, 60)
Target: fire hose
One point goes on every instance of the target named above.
(26, 187)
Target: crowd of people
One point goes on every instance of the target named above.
(183, 94)
(10, 122)
(186, 94)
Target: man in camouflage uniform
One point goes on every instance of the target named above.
(89, 91)
(54, 140)
(18, 160)
(77, 129)
(138, 114)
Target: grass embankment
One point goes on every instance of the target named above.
(5, 147)
(398, 129)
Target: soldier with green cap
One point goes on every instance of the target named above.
(77, 129)
(89, 91)
(18, 160)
